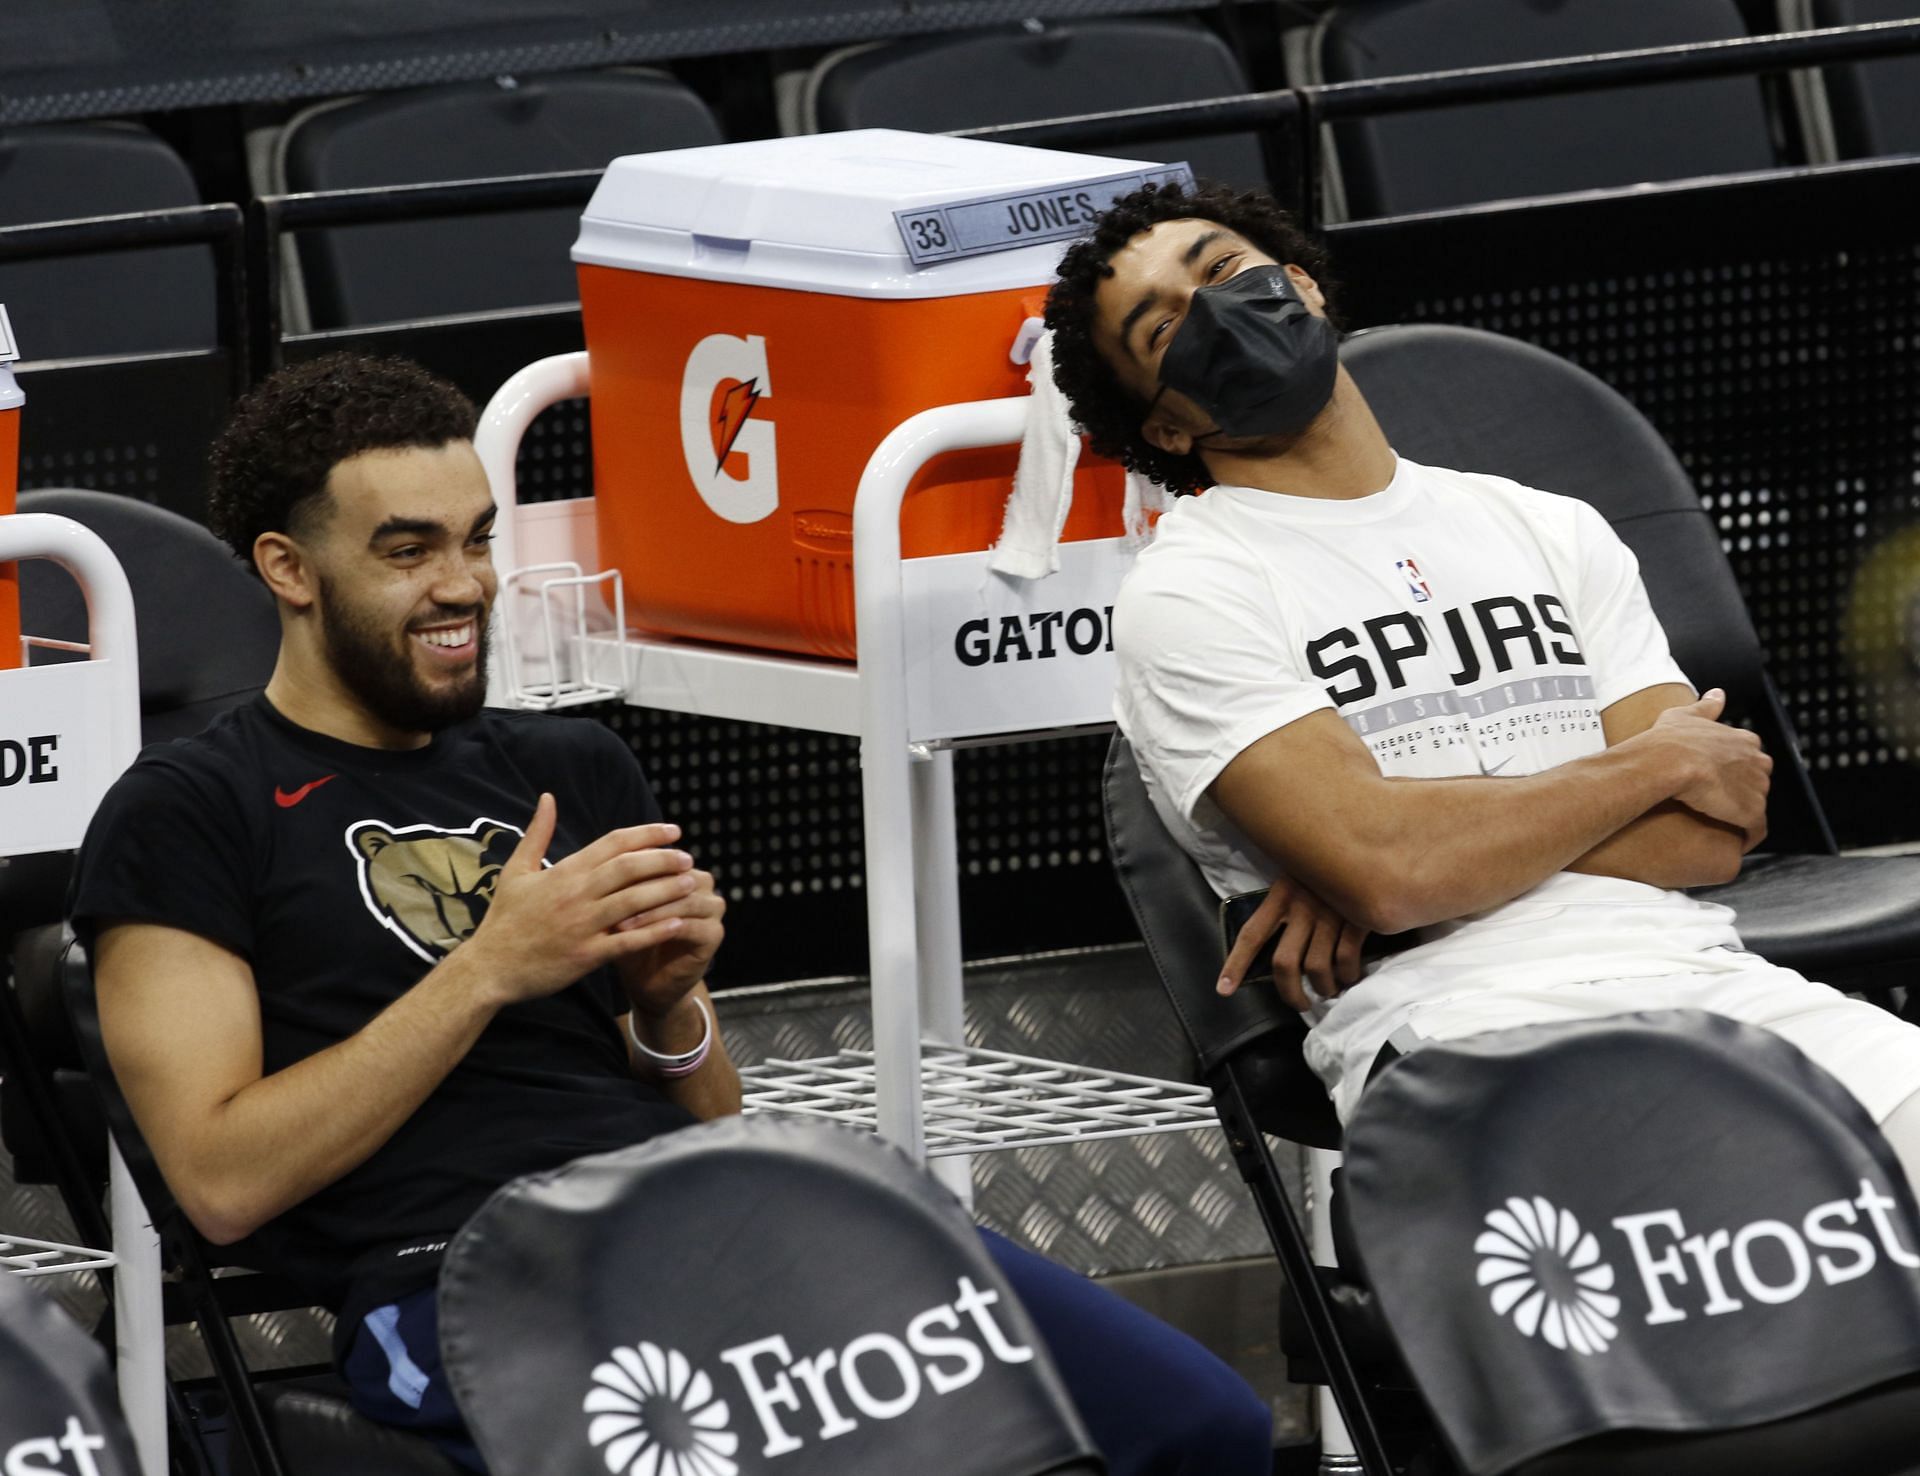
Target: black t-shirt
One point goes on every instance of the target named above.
(342, 874)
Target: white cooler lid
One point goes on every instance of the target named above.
(817, 212)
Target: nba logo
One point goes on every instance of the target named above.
(1416, 586)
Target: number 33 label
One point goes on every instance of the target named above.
(926, 236)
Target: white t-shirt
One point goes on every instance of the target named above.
(1461, 624)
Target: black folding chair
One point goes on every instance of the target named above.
(1248, 1051)
(285, 1429)
(1476, 401)
(208, 636)
(1473, 400)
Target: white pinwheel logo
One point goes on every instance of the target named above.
(656, 1414)
(1548, 1274)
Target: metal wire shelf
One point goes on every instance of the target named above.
(980, 1100)
(23, 1256)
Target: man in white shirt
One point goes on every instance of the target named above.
(1413, 701)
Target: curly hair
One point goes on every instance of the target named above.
(1105, 408)
(270, 465)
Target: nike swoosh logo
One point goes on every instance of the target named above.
(1489, 773)
(287, 801)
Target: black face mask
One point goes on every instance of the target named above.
(1252, 356)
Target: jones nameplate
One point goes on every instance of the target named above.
(935, 233)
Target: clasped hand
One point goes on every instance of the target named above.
(1317, 947)
(1730, 773)
(627, 899)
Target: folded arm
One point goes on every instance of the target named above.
(1389, 855)
(1670, 845)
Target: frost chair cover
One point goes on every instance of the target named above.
(117, 302)
(56, 1397)
(649, 1312)
(1018, 75)
(481, 263)
(1476, 401)
(1664, 1222)
(1438, 158)
(208, 632)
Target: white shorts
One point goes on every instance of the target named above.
(1872, 1052)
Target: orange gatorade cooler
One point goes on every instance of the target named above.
(10, 401)
(760, 315)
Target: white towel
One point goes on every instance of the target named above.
(1029, 546)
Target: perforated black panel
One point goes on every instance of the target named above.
(1031, 808)
(1770, 333)
(556, 455)
(478, 354)
(136, 468)
(1788, 390)
(134, 426)
(775, 814)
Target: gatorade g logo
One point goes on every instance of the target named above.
(729, 449)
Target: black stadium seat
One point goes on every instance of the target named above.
(1862, 110)
(208, 632)
(392, 273)
(941, 83)
(121, 303)
(1436, 159)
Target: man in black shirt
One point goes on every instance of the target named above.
(365, 951)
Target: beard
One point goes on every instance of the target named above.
(384, 679)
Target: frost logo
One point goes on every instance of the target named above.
(656, 1415)
(1547, 1274)
(728, 446)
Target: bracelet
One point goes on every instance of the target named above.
(687, 1062)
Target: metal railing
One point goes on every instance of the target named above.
(271, 217)
(248, 247)
(221, 226)
(1298, 112)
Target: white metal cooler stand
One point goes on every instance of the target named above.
(921, 1086)
(97, 703)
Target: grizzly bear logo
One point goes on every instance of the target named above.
(430, 886)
